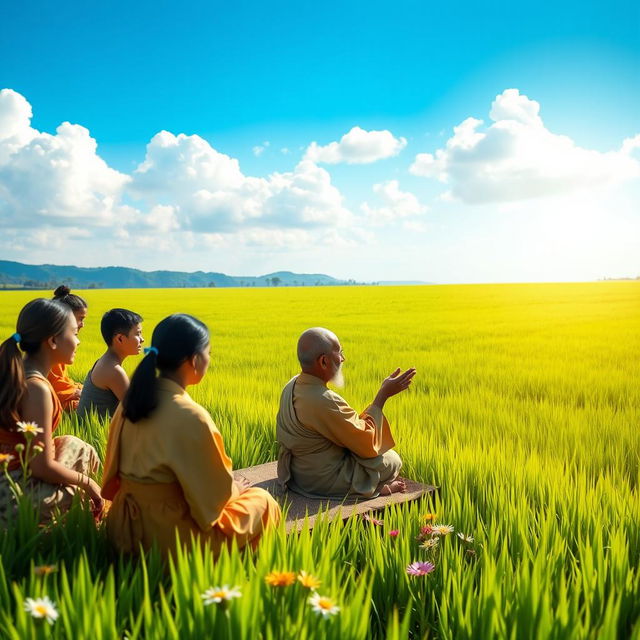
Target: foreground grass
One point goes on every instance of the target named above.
(525, 413)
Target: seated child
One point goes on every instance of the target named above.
(67, 390)
(107, 382)
(46, 336)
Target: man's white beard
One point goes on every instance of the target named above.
(338, 378)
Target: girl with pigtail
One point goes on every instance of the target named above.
(67, 390)
(46, 336)
(166, 469)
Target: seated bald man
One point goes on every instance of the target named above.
(327, 449)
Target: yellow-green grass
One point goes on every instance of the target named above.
(525, 412)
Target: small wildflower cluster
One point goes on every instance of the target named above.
(429, 538)
(322, 605)
(433, 532)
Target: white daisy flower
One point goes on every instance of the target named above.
(41, 608)
(441, 529)
(220, 594)
(323, 605)
(29, 427)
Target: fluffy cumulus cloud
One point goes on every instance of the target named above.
(357, 147)
(56, 188)
(518, 158)
(396, 206)
(305, 197)
(210, 193)
(15, 123)
(54, 179)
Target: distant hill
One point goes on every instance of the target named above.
(47, 276)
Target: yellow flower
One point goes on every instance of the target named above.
(45, 569)
(308, 581)
(280, 578)
(441, 529)
(6, 458)
(323, 605)
(429, 517)
(30, 428)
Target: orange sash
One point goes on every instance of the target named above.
(64, 387)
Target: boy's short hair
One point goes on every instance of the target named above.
(117, 321)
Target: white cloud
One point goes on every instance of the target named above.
(305, 197)
(396, 204)
(259, 149)
(15, 123)
(275, 238)
(57, 179)
(511, 105)
(162, 218)
(58, 193)
(210, 193)
(357, 147)
(518, 158)
(179, 165)
(631, 145)
(43, 237)
(415, 226)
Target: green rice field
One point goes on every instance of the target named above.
(525, 412)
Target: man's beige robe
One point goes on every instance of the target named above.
(328, 450)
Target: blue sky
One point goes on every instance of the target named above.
(293, 73)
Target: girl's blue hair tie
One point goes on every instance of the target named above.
(17, 337)
(151, 350)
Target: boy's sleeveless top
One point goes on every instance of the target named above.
(93, 399)
(10, 437)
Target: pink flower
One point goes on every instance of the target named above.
(394, 533)
(420, 568)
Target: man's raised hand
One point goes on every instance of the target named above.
(393, 385)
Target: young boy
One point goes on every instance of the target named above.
(107, 383)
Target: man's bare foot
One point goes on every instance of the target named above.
(397, 486)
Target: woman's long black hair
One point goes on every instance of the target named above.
(176, 339)
(39, 319)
